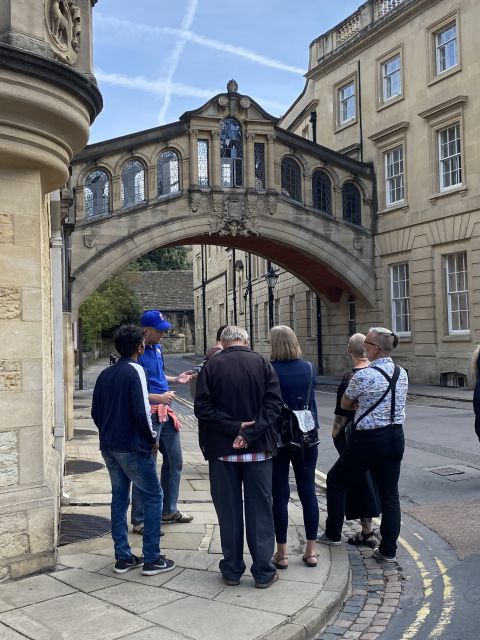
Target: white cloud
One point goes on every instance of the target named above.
(198, 39)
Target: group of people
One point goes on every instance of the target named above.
(239, 396)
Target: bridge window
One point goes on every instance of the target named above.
(202, 152)
(231, 152)
(97, 193)
(259, 152)
(322, 192)
(291, 179)
(351, 204)
(168, 174)
(133, 183)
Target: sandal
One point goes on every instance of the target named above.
(361, 539)
(277, 559)
(178, 516)
(310, 560)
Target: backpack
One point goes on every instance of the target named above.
(296, 429)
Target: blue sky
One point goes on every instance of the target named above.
(156, 59)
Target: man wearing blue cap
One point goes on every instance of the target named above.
(163, 420)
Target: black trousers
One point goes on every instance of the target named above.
(379, 451)
(226, 481)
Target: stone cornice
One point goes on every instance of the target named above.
(394, 128)
(311, 106)
(54, 73)
(458, 101)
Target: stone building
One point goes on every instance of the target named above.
(397, 84)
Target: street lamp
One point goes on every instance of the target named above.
(271, 277)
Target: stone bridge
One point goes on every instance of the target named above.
(224, 174)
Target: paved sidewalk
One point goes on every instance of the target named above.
(84, 599)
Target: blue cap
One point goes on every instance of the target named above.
(155, 319)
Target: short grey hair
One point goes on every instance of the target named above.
(356, 344)
(387, 340)
(232, 333)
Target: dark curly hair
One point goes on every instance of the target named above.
(127, 339)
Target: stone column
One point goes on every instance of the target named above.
(270, 161)
(250, 161)
(193, 158)
(46, 109)
(216, 177)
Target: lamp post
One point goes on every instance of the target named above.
(271, 277)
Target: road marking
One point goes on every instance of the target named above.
(448, 603)
(417, 535)
(424, 611)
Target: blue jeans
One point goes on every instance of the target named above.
(171, 450)
(125, 467)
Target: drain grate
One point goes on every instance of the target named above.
(447, 471)
(75, 527)
(74, 467)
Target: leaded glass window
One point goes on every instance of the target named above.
(168, 173)
(97, 193)
(322, 192)
(231, 152)
(202, 151)
(291, 179)
(259, 152)
(351, 203)
(133, 183)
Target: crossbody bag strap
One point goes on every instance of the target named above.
(309, 393)
(383, 396)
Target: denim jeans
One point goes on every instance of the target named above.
(125, 467)
(379, 451)
(171, 450)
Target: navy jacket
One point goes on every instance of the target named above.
(121, 410)
(295, 376)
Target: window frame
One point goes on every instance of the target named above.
(145, 185)
(294, 162)
(165, 152)
(432, 31)
(441, 160)
(382, 61)
(328, 210)
(106, 197)
(388, 202)
(339, 123)
(448, 294)
(405, 299)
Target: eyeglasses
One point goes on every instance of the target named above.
(372, 344)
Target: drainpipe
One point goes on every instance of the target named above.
(319, 338)
(360, 123)
(204, 302)
(313, 120)
(250, 302)
(234, 287)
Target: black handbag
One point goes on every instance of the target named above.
(296, 429)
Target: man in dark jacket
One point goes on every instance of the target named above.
(237, 404)
(121, 411)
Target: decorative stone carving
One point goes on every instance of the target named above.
(252, 204)
(89, 241)
(245, 102)
(195, 201)
(64, 26)
(223, 100)
(217, 202)
(272, 203)
(233, 219)
(232, 86)
(358, 243)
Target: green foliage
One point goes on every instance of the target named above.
(166, 259)
(114, 303)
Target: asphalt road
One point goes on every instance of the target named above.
(439, 550)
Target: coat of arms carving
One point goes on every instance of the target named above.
(64, 27)
(233, 219)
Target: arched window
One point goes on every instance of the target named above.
(291, 179)
(97, 193)
(133, 183)
(351, 204)
(322, 192)
(168, 175)
(231, 152)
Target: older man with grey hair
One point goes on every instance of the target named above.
(237, 404)
(378, 395)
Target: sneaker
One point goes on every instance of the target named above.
(122, 566)
(324, 539)
(178, 516)
(265, 585)
(381, 558)
(138, 528)
(162, 565)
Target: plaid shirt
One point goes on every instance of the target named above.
(259, 456)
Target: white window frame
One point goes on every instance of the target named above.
(397, 73)
(347, 101)
(441, 48)
(447, 160)
(394, 176)
(457, 287)
(400, 297)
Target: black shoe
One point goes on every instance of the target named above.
(122, 566)
(162, 565)
(230, 583)
(265, 585)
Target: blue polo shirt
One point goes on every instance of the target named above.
(152, 361)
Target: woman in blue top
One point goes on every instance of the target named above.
(295, 376)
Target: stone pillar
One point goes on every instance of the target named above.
(216, 177)
(193, 158)
(250, 161)
(271, 161)
(46, 109)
